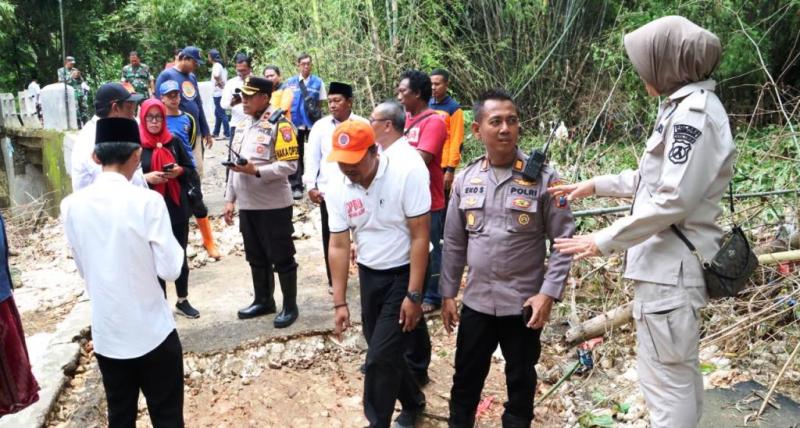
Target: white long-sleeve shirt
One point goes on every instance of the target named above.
(318, 172)
(122, 242)
(237, 112)
(84, 169)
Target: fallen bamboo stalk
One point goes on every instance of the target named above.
(622, 208)
(600, 324)
(775, 258)
(777, 379)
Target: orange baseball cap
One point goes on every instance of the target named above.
(351, 140)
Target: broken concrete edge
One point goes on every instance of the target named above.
(55, 369)
(264, 340)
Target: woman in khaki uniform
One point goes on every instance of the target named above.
(682, 175)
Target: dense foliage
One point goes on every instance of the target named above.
(562, 59)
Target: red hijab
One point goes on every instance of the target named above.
(162, 155)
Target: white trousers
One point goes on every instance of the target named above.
(668, 335)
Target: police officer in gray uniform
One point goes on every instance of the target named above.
(497, 223)
(264, 153)
(682, 175)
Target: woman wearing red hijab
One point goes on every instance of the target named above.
(163, 152)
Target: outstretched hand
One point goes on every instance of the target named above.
(573, 191)
(580, 245)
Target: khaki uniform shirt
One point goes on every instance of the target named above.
(499, 228)
(683, 174)
(273, 149)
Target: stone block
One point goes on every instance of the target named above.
(8, 111)
(56, 114)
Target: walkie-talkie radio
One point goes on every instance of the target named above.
(537, 159)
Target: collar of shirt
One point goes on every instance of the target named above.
(686, 90)
(111, 177)
(383, 162)
(264, 116)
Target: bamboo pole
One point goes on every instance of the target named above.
(775, 258)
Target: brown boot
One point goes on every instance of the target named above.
(208, 238)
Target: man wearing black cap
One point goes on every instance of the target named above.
(262, 156)
(183, 73)
(319, 174)
(122, 242)
(111, 100)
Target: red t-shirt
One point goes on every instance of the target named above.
(429, 135)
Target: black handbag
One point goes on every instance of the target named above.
(728, 272)
(313, 109)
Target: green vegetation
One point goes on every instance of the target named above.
(563, 60)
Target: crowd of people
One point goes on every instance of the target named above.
(392, 202)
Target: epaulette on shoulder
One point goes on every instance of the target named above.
(697, 101)
(476, 160)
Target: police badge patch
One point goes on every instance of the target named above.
(679, 153)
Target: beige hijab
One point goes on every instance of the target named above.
(671, 52)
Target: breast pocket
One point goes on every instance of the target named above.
(521, 214)
(652, 161)
(474, 217)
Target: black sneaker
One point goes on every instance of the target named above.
(185, 308)
(408, 418)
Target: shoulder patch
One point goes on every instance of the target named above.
(686, 133)
(286, 148)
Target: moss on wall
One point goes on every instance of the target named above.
(59, 184)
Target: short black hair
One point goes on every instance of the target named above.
(115, 153)
(303, 56)
(419, 82)
(243, 57)
(496, 94)
(273, 68)
(133, 53)
(441, 72)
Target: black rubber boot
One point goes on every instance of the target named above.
(263, 288)
(289, 312)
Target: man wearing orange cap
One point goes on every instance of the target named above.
(379, 200)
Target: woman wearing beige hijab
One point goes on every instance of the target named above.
(682, 175)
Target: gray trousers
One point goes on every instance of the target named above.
(668, 335)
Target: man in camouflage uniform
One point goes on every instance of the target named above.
(138, 75)
(64, 72)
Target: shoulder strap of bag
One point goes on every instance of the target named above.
(418, 120)
(303, 88)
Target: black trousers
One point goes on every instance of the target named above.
(296, 179)
(388, 377)
(478, 337)
(267, 236)
(181, 233)
(158, 374)
(326, 238)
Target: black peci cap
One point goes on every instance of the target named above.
(341, 89)
(117, 130)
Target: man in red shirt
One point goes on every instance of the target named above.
(427, 132)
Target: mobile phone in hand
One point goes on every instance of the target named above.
(168, 167)
(228, 164)
(527, 314)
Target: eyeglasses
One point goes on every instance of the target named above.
(154, 118)
(376, 119)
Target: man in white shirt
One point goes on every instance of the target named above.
(219, 77)
(111, 100)
(34, 92)
(230, 99)
(122, 242)
(381, 203)
(320, 174)
(388, 121)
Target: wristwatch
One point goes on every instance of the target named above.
(414, 296)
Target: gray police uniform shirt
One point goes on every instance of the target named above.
(500, 230)
(273, 149)
(683, 174)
